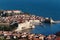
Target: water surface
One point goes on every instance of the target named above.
(45, 8)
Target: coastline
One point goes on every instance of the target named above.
(16, 19)
(12, 17)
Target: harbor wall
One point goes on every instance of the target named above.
(27, 25)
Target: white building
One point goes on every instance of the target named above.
(17, 11)
(25, 25)
(8, 11)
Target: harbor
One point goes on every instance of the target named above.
(29, 19)
(18, 20)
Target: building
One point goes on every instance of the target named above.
(8, 11)
(17, 11)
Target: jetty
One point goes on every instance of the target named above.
(55, 22)
(50, 20)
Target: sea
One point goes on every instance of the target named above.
(44, 8)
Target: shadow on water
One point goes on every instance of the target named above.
(46, 29)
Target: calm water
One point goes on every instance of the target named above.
(45, 8)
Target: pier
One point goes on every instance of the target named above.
(56, 22)
(52, 21)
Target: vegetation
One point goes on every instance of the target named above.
(7, 28)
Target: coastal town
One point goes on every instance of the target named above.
(14, 21)
(9, 17)
(16, 15)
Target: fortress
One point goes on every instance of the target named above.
(27, 25)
